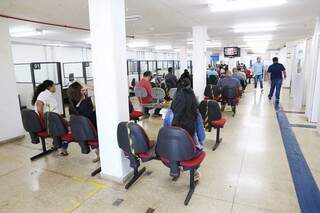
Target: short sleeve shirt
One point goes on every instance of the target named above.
(49, 101)
(276, 71)
(229, 81)
(257, 68)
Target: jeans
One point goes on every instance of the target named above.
(260, 79)
(275, 84)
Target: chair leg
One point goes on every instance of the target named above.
(95, 172)
(191, 187)
(218, 140)
(135, 177)
(44, 150)
(234, 111)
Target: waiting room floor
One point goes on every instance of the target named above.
(249, 172)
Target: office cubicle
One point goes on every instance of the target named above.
(30, 75)
(77, 71)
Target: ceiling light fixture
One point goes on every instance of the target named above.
(256, 27)
(163, 47)
(238, 5)
(258, 38)
(58, 45)
(29, 33)
(177, 50)
(135, 44)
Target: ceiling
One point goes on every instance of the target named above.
(164, 21)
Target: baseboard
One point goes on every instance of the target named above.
(115, 179)
(12, 139)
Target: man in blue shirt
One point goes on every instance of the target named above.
(277, 72)
(258, 73)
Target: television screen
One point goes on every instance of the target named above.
(231, 52)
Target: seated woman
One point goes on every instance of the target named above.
(184, 113)
(79, 104)
(44, 101)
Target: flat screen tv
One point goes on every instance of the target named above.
(231, 52)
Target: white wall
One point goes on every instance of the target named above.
(10, 119)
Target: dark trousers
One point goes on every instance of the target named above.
(156, 111)
(275, 85)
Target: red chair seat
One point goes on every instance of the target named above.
(218, 123)
(136, 114)
(43, 134)
(207, 98)
(193, 162)
(67, 137)
(217, 99)
(93, 143)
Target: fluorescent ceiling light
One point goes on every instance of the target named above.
(163, 47)
(177, 50)
(208, 43)
(238, 5)
(256, 27)
(135, 44)
(253, 30)
(258, 38)
(58, 45)
(27, 33)
(133, 18)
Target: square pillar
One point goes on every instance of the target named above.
(11, 122)
(108, 40)
(199, 60)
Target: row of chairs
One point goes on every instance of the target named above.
(157, 93)
(227, 95)
(82, 131)
(174, 148)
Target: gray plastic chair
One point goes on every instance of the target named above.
(172, 92)
(158, 94)
(140, 93)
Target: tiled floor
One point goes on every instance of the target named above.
(248, 173)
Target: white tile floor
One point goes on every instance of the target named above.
(248, 173)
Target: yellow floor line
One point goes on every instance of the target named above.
(94, 183)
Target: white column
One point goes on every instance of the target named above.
(183, 58)
(199, 34)
(312, 90)
(108, 40)
(10, 119)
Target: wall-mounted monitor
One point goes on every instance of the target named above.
(231, 52)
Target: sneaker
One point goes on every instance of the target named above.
(269, 97)
(277, 101)
(97, 159)
(196, 176)
(63, 152)
(156, 115)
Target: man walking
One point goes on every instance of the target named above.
(277, 72)
(258, 73)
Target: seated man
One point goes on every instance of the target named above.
(170, 79)
(241, 77)
(228, 81)
(145, 83)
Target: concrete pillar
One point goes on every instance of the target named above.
(108, 40)
(313, 98)
(199, 60)
(10, 119)
(183, 59)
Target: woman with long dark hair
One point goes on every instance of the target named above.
(44, 101)
(184, 113)
(43, 98)
(80, 104)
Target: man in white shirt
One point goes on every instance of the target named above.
(258, 69)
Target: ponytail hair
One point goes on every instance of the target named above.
(40, 88)
(74, 97)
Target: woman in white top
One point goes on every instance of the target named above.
(44, 101)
